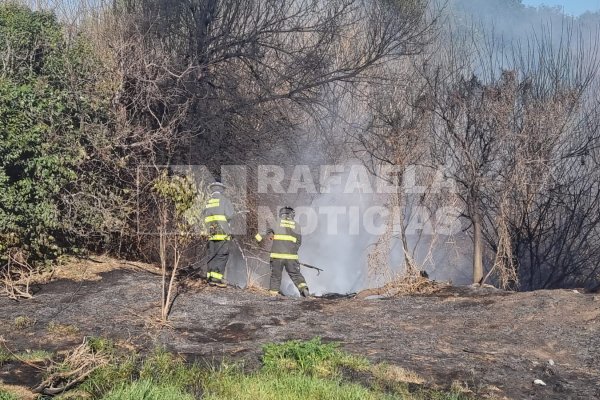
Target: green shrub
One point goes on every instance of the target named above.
(47, 109)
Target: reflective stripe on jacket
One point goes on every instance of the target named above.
(286, 240)
(217, 213)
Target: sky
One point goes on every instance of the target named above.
(573, 7)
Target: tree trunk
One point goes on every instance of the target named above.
(477, 248)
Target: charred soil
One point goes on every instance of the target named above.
(478, 337)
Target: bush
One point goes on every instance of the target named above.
(47, 108)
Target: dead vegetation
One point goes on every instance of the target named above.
(440, 335)
(412, 284)
(16, 275)
(23, 322)
(73, 370)
(403, 285)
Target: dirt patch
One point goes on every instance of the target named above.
(479, 337)
(89, 269)
(21, 374)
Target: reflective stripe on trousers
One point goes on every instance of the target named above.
(219, 237)
(214, 275)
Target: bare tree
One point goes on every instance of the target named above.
(178, 213)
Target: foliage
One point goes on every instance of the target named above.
(160, 368)
(181, 194)
(45, 107)
(177, 206)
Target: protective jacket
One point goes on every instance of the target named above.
(217, 214)
(284, 255)
(286, 239)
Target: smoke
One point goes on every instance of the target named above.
(341, 227)
(509, 24)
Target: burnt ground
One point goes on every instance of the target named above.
(479, 337)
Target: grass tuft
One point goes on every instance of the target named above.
(4, 356)
(147, 390)
(7, 396)
(101, 345)
(34, 355)
(310, 358)
(270, 385)
(62, 329)
(23, 322)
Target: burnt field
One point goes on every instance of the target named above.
(483, 338)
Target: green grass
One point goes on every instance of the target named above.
(291, 370)
(4, 356)
(62, 329)
(160, 368)
(7, 396)
(23, 322)
(27, 355)
(100, 344)
(311, 358)
(33, 355)
(148, 390)
(285, 386)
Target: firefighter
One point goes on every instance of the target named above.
(284, 252)
(217, 214)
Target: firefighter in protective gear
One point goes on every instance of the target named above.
(217, 214)
(284, 252)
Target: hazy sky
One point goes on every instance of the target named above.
(574, 7)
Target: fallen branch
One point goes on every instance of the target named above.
(75, 368)
(15, 276)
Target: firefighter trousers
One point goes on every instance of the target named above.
(218, 254)
(293, 269)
